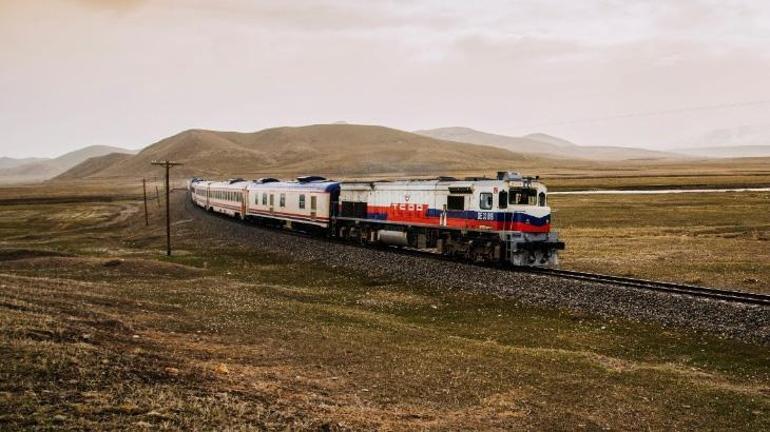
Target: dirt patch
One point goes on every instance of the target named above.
(18, 254)
(135, 267)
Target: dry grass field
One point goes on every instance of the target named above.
(630, 181)
(713, 239)
(100, 331)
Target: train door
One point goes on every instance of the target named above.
(244, 202)
(502, 204)
(334, 202)
(208, 195)
(272, 202)
(313, 205)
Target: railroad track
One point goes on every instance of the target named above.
(646, 284)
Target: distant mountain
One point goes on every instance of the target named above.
(744, 141)
(727, 151)
(546, 145)
(44, 169)
(7, 162)
(326, 149)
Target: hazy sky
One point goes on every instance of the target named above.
(129, 72)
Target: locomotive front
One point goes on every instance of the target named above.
(520, 208)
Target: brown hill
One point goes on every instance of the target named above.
(328, 149)
(92, 167)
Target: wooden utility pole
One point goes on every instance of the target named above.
(167, 164)
(144, 191)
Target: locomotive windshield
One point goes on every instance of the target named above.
(524, 196)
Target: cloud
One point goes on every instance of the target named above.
(110, 5)
(71, 68)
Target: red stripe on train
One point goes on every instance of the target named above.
(418, 213)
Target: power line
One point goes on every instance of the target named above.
(656, 113)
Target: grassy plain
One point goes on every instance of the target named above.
(713, 239)
(100, 331)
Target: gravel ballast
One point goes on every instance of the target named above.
(750, 323)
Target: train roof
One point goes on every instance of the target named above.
(316, 185)
(308, 183)
(439, 183)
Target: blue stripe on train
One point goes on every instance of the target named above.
(471, 214)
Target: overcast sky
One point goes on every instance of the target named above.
(129, 72)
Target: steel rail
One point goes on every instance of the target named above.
(652, 285)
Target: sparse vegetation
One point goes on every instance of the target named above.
(100, 332)
(713, 239)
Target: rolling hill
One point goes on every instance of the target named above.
(44, 169)
(546, 145)
(326, 149)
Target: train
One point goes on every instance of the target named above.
(505, 219)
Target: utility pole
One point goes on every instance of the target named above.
(144, 191)
(157, 195)
(167, 164)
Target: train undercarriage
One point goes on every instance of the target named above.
(516, 248)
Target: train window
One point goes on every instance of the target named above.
(282, 202)
(302, 201)
(312, 202)
(541, 199)
(264, 199)
(454, 202)
(272, 200)
(522, 196)
(502, 199)
(485, 201)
